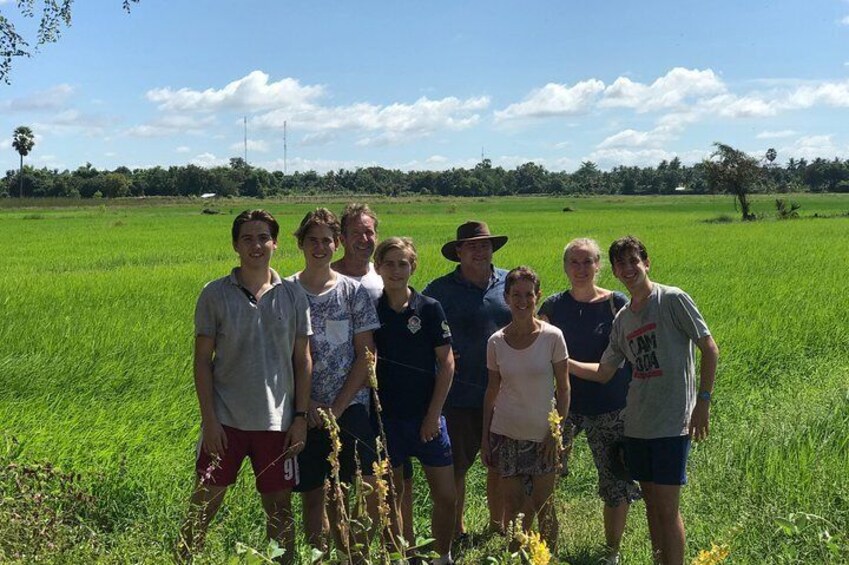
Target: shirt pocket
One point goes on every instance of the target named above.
(337, 331)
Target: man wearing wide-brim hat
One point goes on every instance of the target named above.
(472, 296)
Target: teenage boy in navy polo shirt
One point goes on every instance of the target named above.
(415, 367)
(252, 370)
(656, 331)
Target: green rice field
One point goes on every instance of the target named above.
(98, 416)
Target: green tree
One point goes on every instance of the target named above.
(54, 16)
(731, 171)
(23, 140)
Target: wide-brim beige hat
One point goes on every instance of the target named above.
(472, 231)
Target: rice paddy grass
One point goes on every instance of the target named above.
(95, 367)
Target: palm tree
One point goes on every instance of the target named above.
(23, 142)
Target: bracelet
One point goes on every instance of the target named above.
(301, 415)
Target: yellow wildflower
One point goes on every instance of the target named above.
(371, 363)
(554, 421)
(538, 553)
(716, 554)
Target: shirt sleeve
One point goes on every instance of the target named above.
(558, 351)
(363, 313)
(614, 355)
(491, 356)
(440, 333)
(686, 316)
(303, 324)
(205, 318)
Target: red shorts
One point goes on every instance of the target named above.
(265, 448)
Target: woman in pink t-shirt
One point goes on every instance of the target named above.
(527, 362)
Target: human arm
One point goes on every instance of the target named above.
(596, 372)
(358, 374)
(442, 384)
(296, 435)
(489, 398)
(700, 418)
(214, 440)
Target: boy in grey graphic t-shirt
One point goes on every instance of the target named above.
(658, 332)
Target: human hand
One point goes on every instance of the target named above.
(549, 450)
(430, 428)
(296, 437)
(314, 419)
(700, 421)
(214, 438)
(486, 452)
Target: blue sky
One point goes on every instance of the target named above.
(431, 85)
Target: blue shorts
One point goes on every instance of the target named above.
(404, 442)
(662, 460)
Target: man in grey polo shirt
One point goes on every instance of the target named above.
(252, 372)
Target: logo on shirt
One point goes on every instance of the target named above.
(643, 345)
(446, 331)
(414, 324)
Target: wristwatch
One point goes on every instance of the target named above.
(703, 395)
(301, 415)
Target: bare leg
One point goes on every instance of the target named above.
(407, 512)
(441, 483)
(460, 489)
(614, 525)
(280, 525)
(666, 502)
(495, 501)
(513, 500)
(203, 506)
(543, 504)
(316, 524)
(397, 519)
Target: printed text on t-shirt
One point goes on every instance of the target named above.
(643, 345)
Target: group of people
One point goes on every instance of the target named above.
(473, 364)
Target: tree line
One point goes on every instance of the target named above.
(242, 179)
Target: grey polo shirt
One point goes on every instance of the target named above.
(252, 373)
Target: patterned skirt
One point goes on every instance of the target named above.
(518, 457)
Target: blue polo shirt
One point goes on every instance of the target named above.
(406, 360)
(474, 314)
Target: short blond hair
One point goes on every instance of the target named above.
(404, 244)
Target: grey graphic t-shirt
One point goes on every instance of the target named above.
(659, 341)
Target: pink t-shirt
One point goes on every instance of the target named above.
(527, 383)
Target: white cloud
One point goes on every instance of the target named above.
(53, 98)
(634, 138)
(612, 157)
(172, 124)
(183, 149)
(250, 93)
(668, 91)
(384, 124)
(253, 145)
(317, 138)
(775, 134)
(812, 146)
(320, 166)
(828, 94)
(844, 21)
(207, 160)
(554, 100)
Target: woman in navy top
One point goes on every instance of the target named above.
(584, 313)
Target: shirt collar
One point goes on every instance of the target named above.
(234, 280)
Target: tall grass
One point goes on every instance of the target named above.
(95, 366)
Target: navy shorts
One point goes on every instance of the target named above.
(662, 460)
(404, 443)
(355, 432)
